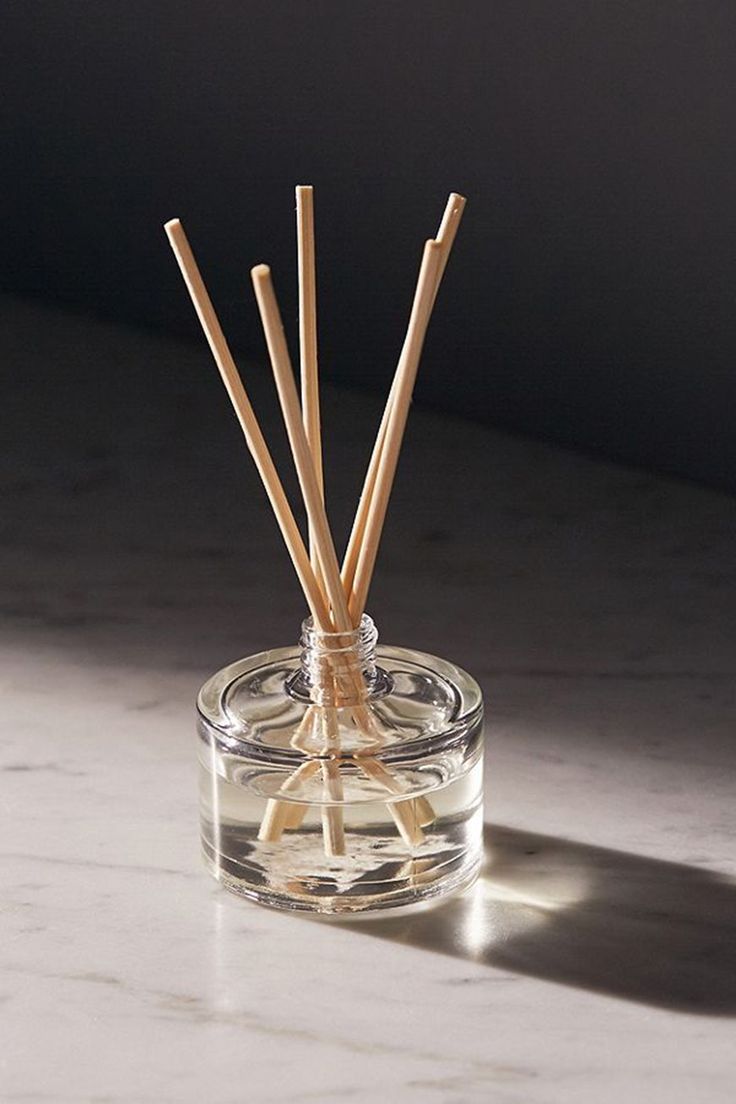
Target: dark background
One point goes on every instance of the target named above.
(591, 296)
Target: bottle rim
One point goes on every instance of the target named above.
(215, 715)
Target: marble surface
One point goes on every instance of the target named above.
(595, 959)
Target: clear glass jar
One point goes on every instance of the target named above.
(340, 777)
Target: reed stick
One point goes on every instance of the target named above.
(278, 814)
(404, 817)
(333, 827)
(307, 285)
(445, 236)
(423, 811)
(332, 815)
(406, 375)
(248, 422)
(308, 339)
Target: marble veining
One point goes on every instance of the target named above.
(595, 960)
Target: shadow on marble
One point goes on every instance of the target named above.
(655, 932)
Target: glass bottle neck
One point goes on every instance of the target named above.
(338, 668)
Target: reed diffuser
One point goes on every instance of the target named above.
(337, 776)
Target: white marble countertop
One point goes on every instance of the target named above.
(595, 960)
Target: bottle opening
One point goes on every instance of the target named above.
(337, 668)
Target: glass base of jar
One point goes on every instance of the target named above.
(349, 805)
(376, 873)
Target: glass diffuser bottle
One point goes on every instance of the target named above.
(335, 778)
(341, 777)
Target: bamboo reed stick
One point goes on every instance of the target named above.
(319, 528)
(445, 236)
(333, 828)
(308, 338)
(279, 813)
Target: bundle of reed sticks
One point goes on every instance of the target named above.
(336, 594)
